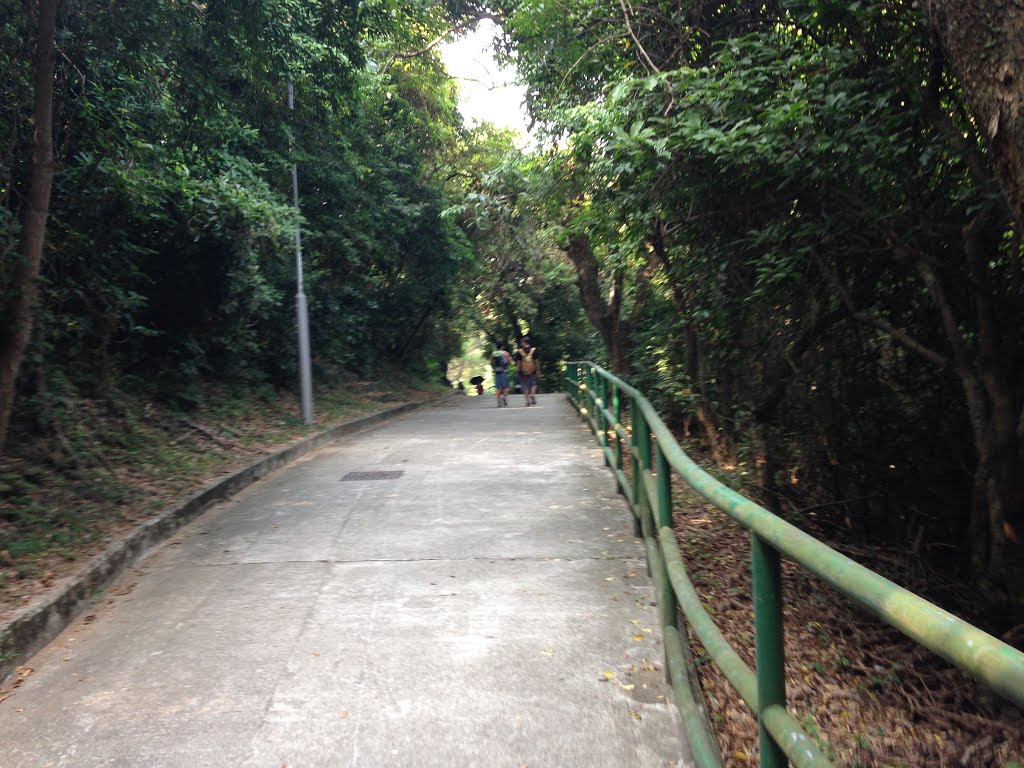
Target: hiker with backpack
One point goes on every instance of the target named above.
(500, 362)
(528, 366)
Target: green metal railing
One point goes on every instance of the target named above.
(599, 396)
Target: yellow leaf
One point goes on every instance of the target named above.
(636, 715)
(609, 675)
(629, 687)
(638, 637)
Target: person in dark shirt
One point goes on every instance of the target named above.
(500, 361)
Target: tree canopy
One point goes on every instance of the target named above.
(795, 224)
(787, 220)
(170, 245)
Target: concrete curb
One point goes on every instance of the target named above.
(35, 625)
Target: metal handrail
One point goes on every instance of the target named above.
(981, 655)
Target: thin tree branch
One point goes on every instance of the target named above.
(627, 12)
(883, 325)
(583, 55)
(475, 19)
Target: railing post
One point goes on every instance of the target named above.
(664, 490)
(667, 605)
(617, 410)
(591, 395)
(602, 422)
(643, 440)
(587, 393)
(768, 640)
(642, 443)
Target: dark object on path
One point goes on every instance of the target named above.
(477, 380)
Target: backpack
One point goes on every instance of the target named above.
(529, 365)
(499, 361)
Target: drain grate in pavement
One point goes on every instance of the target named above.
(392, 475)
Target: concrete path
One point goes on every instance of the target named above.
(487, 607)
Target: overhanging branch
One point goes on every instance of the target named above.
(861, 316)
(476, 18)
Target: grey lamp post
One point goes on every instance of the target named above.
(301, 310)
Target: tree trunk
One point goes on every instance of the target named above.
(720, 440)
(993, 541)
(604, 315)
(985, 41)
(723, 447)
(765, 393)
(1006, 476)
(411, 337)
(20, 311)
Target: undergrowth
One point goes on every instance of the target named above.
(102, 467)
(868, 696)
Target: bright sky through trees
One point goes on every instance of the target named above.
(487, 92)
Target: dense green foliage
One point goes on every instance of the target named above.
(780, 219)
(804, 252)
(170, 252)
(520, 281)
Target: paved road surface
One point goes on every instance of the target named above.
(468, 612)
